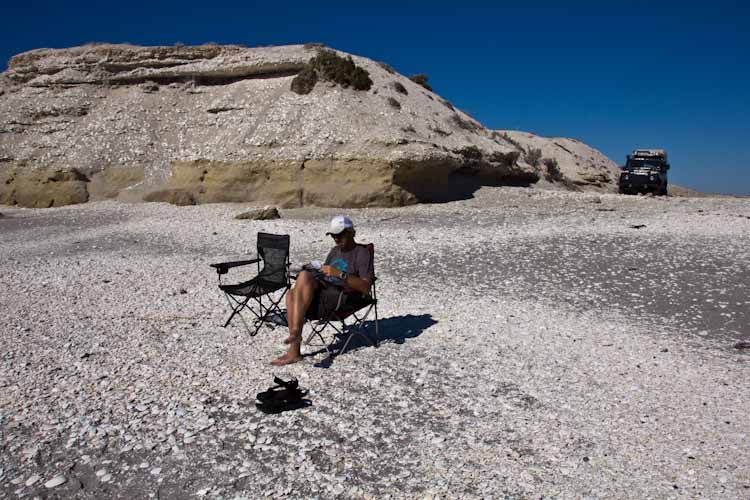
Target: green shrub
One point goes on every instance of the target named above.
(398, 87)
(394, 103)
(421, 79)
(305, 81)
(331, 66)
(469, 152)
(327, 65)
(533, 155)
(553, 169)
(505, 159)
(360, 80)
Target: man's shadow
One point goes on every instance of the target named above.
(396, 329)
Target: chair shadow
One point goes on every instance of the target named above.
(396, 329)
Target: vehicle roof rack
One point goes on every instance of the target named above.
(650, 153)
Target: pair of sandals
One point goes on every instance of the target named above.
(284, 396)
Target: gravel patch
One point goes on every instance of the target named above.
(522, 355)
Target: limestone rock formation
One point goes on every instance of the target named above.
(220, 123)
(579, 165)
(42, 188)
(266, 213)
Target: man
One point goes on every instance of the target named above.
(347, 268)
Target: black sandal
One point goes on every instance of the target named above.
(284, 396)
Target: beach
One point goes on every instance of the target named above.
(533, 344)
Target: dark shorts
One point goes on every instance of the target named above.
(329, 299)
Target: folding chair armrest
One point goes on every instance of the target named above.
(224, 267)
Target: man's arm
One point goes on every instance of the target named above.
(361, 285)
(356, 283)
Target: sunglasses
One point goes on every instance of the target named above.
(338, 236)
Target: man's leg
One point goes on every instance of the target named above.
(298, 300)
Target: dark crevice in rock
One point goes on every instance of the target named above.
(223, 109)
(564, 148)
(443, 181)
(202, 79)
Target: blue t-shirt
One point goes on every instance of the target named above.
(355, 262)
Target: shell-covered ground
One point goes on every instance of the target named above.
(533, 344)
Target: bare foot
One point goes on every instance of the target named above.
(292, 339)
(286, 359)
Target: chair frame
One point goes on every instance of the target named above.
(264, 312)
(337, 319)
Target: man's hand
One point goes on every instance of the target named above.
(354, 282)
(331, 271)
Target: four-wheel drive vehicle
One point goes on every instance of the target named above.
(645, 171)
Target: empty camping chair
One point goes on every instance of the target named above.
(349, 318)
(273, 276)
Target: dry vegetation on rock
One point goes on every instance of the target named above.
(533, 156)
(421, 79)
(327, 65)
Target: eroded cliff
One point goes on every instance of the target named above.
(221, 123)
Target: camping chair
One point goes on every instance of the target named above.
(273, 253)
(347, 320)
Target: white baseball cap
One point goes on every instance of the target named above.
(340, 223)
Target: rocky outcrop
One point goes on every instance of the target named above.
(42, 188)
(179, 197)
(115, 180)
(266, 213)
(221, 123)
(129, 64)
(580, 166)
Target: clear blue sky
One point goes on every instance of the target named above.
(616, 75)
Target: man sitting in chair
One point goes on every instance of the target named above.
(348, 267)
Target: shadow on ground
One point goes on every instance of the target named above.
(396, 329)
(445, 186)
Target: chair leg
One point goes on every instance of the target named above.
(377, 330)
(274, 308)
(346, 344)
(237, 305)
(257, 324)
(356, 329)
(235, 309)
(317, 332)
